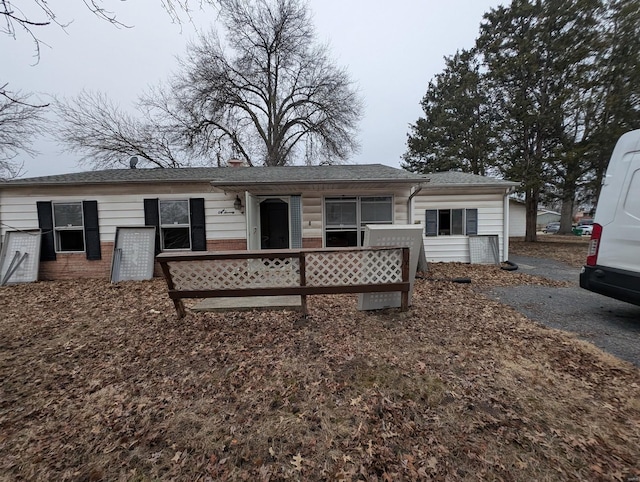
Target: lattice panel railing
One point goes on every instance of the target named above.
(330, 268)
(348, 268)
(222, 274)
(276, 273)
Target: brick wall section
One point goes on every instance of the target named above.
(310, 243)
(226, 244)
(76, 265)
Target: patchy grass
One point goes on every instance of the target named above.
(102, 382)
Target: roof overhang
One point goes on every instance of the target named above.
(470, 188)
(273, 187)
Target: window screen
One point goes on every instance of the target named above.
(346, 218)
(68, 226)
(67, 214)
(341, 212)
(174, 224)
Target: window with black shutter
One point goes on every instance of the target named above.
(180, 223)
(69, 227)
(91, 230)
(451, 222)
(45, 223)
(197, 218)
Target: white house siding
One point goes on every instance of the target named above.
(456, 248)
(517, 218)
(120, 206)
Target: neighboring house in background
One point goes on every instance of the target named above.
(546, 216)
(455, 205)
(517, 218)
(238, 208)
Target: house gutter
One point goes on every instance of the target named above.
(505, 227)
(410, 203)
(237, 186)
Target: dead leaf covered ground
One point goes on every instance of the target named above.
(568, 249)
(102, 382)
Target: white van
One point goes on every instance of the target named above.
(613, 260)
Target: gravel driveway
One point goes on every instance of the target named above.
(610, 324)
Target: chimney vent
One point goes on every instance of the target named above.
(235, 163)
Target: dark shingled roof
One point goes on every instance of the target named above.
(231, 175)
(455, 178)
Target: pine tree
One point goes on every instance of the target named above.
(454, 133)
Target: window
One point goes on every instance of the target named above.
(451, 222)
(346, 218)
(174, 224)
(68, 226)
(180, 224)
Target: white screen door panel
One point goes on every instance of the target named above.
(20, 257)
(133, 254)
(392, 235)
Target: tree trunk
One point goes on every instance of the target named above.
(531, 206)
(566, 217)
(566, 211)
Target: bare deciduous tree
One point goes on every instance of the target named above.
(30, 15)
(20, 120)
(108, 136)
(268, 92)
(278, 97)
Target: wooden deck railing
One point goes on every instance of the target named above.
(286, 272)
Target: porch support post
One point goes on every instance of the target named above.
(404, 298)
(303, 282)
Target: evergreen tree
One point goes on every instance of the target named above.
(539, 56)
(455, 132)
(616, 95)
(556, 84)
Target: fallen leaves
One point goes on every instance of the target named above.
(109, 385)
(297, 462)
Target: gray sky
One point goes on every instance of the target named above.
(391, 50)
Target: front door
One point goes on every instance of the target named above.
(274, 224)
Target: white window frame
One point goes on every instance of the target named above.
(59, 230)
(359, 226)
(164, 227)
(464, 224)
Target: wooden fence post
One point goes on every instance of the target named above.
(404, 299)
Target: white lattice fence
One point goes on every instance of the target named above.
(221, 274)
(349, 268)
(271, 273)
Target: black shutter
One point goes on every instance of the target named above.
(45, 222)
(472, 222)
(152, 218)
(91, 230)
(198, 229)
(431, 222)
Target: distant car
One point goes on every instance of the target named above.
(587, 229)
(552, 228)
(585, 222)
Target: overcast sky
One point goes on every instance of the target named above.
(391, 50)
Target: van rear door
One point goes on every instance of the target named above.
(620, 220)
